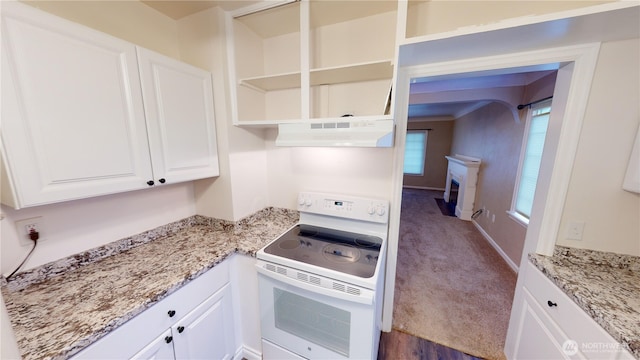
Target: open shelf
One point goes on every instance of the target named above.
(308, 59)
(375, 70)
(273, 82)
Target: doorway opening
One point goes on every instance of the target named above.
(575, 66)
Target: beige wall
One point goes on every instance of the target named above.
(75, 226)
(595, 196)
(438, 146)
(128, 20)
(434, 16)
(241, 188)
(493, 135)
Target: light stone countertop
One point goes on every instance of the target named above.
(605, 285)
(60, 308)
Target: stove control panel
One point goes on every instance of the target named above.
(344, 206)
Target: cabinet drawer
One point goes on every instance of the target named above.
(131, 337)
(566, 314)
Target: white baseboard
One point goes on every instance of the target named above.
(422, 187)
(493, 244)
(248, 353)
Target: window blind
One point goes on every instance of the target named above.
(414, 152)
(532, 158)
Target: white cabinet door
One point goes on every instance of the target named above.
(207, 332)
(536, 338)
(178, 102)
(160, 349)
(73, 122)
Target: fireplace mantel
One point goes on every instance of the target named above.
(464, 170)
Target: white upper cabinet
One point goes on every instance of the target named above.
(73, 120)
(178, 103)
(302, 60)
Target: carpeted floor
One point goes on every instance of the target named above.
(452, 287)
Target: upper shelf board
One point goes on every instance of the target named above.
(353, 73)
(275, 21)
(368, 71)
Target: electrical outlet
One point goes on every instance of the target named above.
(24, 227)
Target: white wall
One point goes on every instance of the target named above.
(240, 190)
(352, 171)
(612, 117)
(76, 226)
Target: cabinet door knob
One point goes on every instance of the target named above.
(180, 329)
(150, 183)
(162, 181)
(168, 339)
(171, 313)
(551, 303)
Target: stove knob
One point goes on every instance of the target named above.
(381, 211)
(308, 203)
(300, 200)
(369, 257)
(371, 210)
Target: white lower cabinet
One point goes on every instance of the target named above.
(205, 333)
(195, 322)
(547, 324)
(160, 348)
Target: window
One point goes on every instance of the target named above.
(530, 159)
(414, 152)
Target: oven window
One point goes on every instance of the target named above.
(311, 320)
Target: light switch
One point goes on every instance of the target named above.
(575, 230)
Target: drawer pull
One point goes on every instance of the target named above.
(168, 339)
(180, 329)
(171, 313)
(551, 303)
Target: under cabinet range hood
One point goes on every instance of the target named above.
(337, 133)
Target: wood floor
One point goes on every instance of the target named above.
(396, 345)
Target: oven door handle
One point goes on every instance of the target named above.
(365, 297)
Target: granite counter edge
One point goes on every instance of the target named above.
(539, 262)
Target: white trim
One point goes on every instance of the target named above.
(518, 218)
(397, 178)
(422, 187)
(245, 352)
(523, 220)
(523, 149)
(257, 7)
(495, 245)
(555, 171)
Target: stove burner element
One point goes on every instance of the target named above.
(341, 253)
(289, 244)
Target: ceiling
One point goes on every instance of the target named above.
(459, 96)
(177, 9)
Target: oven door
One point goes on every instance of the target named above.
(313, 321)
